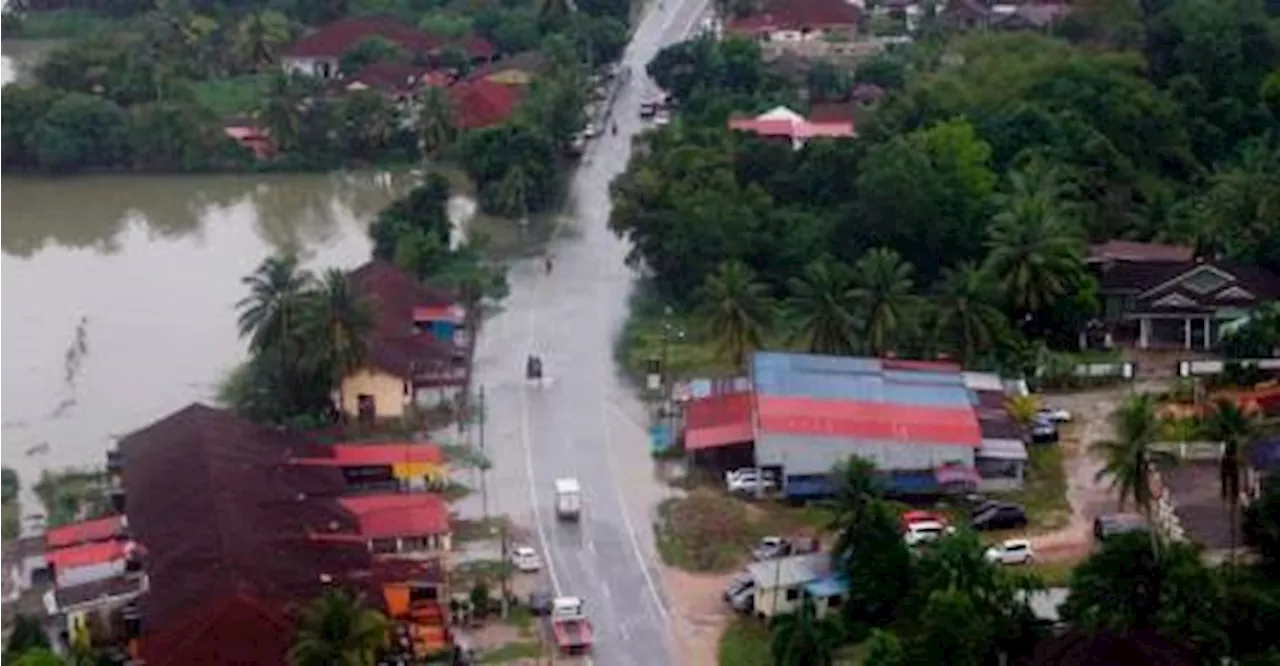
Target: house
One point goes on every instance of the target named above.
(399, 81)
(419, 343)
(786, 125)
(482, 102)
(250, 136)
(411, 525)
(928, 426)
(383, 466)
(780, 583)
(519, 69)
(1158, 297)
(319, 52)
(798, 21)
(979, 14)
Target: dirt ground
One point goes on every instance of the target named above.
(698, 614)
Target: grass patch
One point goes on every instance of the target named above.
(522, 619)
(647, 327)
(1054, 574)
(745, 642)
(1044, 493)
(230, 96)
(10, 519)
(512, 652)
(62, 24)
(466, 529)
(466, 575)
(704, 532)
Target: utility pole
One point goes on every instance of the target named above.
(484, 467)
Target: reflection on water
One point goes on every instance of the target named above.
(119, 291)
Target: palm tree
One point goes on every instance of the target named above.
(1036, 253)
(1127, 459)
(856, 488)
(269, 315)
(966, 309)
(822, 303)
(281, 111)
(736, 309)
(882, 290)
(802, 638)
(437, 124)
(513, 191)
(337, 320)
(1236, 428)
(338, 630)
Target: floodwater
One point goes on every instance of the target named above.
(119, 292)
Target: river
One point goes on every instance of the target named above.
(118, 292)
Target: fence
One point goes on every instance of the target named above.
(1217, 367)
(1192, 450)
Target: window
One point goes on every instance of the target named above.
(793, 593)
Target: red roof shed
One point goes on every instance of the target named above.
(84, 532)
(398, 514)
(717, 421)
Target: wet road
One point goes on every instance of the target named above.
(584, 421)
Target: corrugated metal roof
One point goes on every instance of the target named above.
(828, 586)
(928, 366)
(983, 381)
(718, 421)
(809, 455)
(1003, 449)
(924, 377)
(789, 571)
(868, 420)
(927, 396)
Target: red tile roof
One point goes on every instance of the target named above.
(868, 420)
(483, 103)
(359, 455)
(220, 510)
(393, 344)
(335, 39)
(795, 129)
(719, 420)
(89, 530)
(398, 514)
(798, 15)
(396, 77)
(86, 554)
(1122, 250)
(232, 628)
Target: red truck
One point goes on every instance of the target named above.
(570, 626)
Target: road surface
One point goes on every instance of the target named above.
(584, 421)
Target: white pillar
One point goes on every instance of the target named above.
(1186, 333)
(1144, 333)
(1207, 342)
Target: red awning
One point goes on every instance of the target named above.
(361, 455)
(398, 514)
(717, 421)
(84, 532)
(86, 555)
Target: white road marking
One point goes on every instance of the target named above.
(622, 628)
(528, 460)
(604, 587)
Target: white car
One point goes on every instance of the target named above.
(661, 118)
(926, 530)
(748, 480)
(1011, 551)
(1055, 414)
(525, 559)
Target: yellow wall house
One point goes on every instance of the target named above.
(374, 394)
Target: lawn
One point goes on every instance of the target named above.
(745, 642)
(231, 96)
(66, 24)
(688, 352)
(1054, 574)
(512, 652)
(1044, 493)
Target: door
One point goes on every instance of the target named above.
(366, 408)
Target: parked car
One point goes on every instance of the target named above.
(983, 506)
(749, 481)
(1110, 524)
(918, 516)
(736, 585)
(1011, 551)
(1054, 414)
(1000, 517)
(924, 531)
(771, 547)
(540, 602)
(1044, 431)
(525, 559)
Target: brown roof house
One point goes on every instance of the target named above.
(319, 52)
(420, 342)
(798, 21)
(1160, 297)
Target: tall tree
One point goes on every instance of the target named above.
(967, 310)
(1236, 429)
(337, 629)
(1128, 457)
(803, 638)
(337, 320)
(736, 309)
(513, 192)
(883, 291)
(869, 549)
(437, 122)
(270, 316)
(822, 304)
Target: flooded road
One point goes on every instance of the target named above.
(119, 292)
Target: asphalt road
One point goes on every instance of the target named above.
(583, 420)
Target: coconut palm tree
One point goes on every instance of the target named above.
(736, 308)
(882, 287)
(513, 191)
(856, 488)
(803, 638)
(337, 629)
(1036, 252)
(437, 123)
(822, 304)
(1236, 428)
(1128, 457)
(967, 310)
(281, 112)
(270, 314)
(336, 320)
